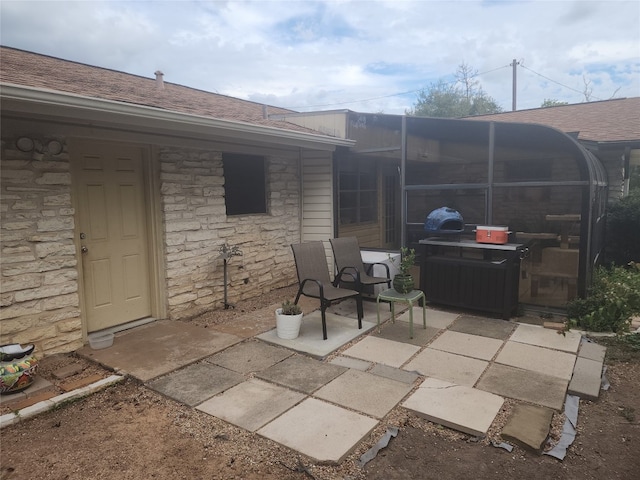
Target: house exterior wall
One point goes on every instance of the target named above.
(39, 276)
(613, 164)
(330, 123)
(317, 201)
(196, 225)
(40, 289)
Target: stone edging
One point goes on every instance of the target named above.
(45, 405)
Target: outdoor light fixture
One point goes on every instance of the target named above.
(26, 144)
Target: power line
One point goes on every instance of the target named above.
(557, 83)
(445, 83)
(391, 95)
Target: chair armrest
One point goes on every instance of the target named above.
(353, 273)
(320, 285)
(370, 269)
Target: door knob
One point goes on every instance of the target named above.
(84, 249)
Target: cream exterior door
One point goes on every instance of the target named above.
(113, 233)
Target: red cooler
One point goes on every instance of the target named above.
(492, 234)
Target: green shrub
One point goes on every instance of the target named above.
(623, 230)
(614, 297)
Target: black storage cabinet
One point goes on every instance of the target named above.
(471, 275)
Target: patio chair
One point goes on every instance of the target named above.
(348, 259)
(314, 280)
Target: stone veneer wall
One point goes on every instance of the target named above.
(39, 300)
(39, 280)
(196, 225)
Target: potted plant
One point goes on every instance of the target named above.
(403, 281)
(288, 320)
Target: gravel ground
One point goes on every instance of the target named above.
(130, 432)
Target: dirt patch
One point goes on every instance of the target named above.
(606, 446)
(130, 432)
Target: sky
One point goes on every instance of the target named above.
(361, 55)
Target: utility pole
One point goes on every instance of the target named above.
(513, 95)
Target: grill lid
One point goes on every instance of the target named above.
(444, 220)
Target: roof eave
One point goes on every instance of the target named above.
(610, 145)
(21, 99)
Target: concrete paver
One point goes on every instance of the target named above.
(13, 398)
(301, 373)
(486, 327)
(349, 362)
(528, 426)
(330, 432)
(447, 366)
(435, 318)
(159, 347)
(380, 350)
(194, 384)
(586, 379)
(468, 345)
(544, 337)
(348, 308)
(251, 404)
(252, 323)
(399, 332)
(592, 351)
(537, 359)
(462, 408)
(526, 385)
(250, 356)
(364, 392)
(340, 330)
(394, 373)
(371, 377)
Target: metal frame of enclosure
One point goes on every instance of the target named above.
(540, 182)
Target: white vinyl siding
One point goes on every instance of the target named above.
(317, 199)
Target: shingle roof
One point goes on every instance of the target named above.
(616, 120)
(30, 69)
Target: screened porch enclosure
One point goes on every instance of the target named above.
(538, 181)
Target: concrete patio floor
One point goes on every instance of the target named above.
(456, 372)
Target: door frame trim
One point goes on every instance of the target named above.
(153, 223)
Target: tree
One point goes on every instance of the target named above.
(462, 98)
(588, 89)
(552, 102)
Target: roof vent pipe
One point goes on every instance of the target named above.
(159, 80)
(265, 112)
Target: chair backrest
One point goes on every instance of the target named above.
(311, 261)
(346, 253)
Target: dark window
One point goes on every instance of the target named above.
(244, 184)
(358, 193)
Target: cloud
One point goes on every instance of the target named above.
(362, 55)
